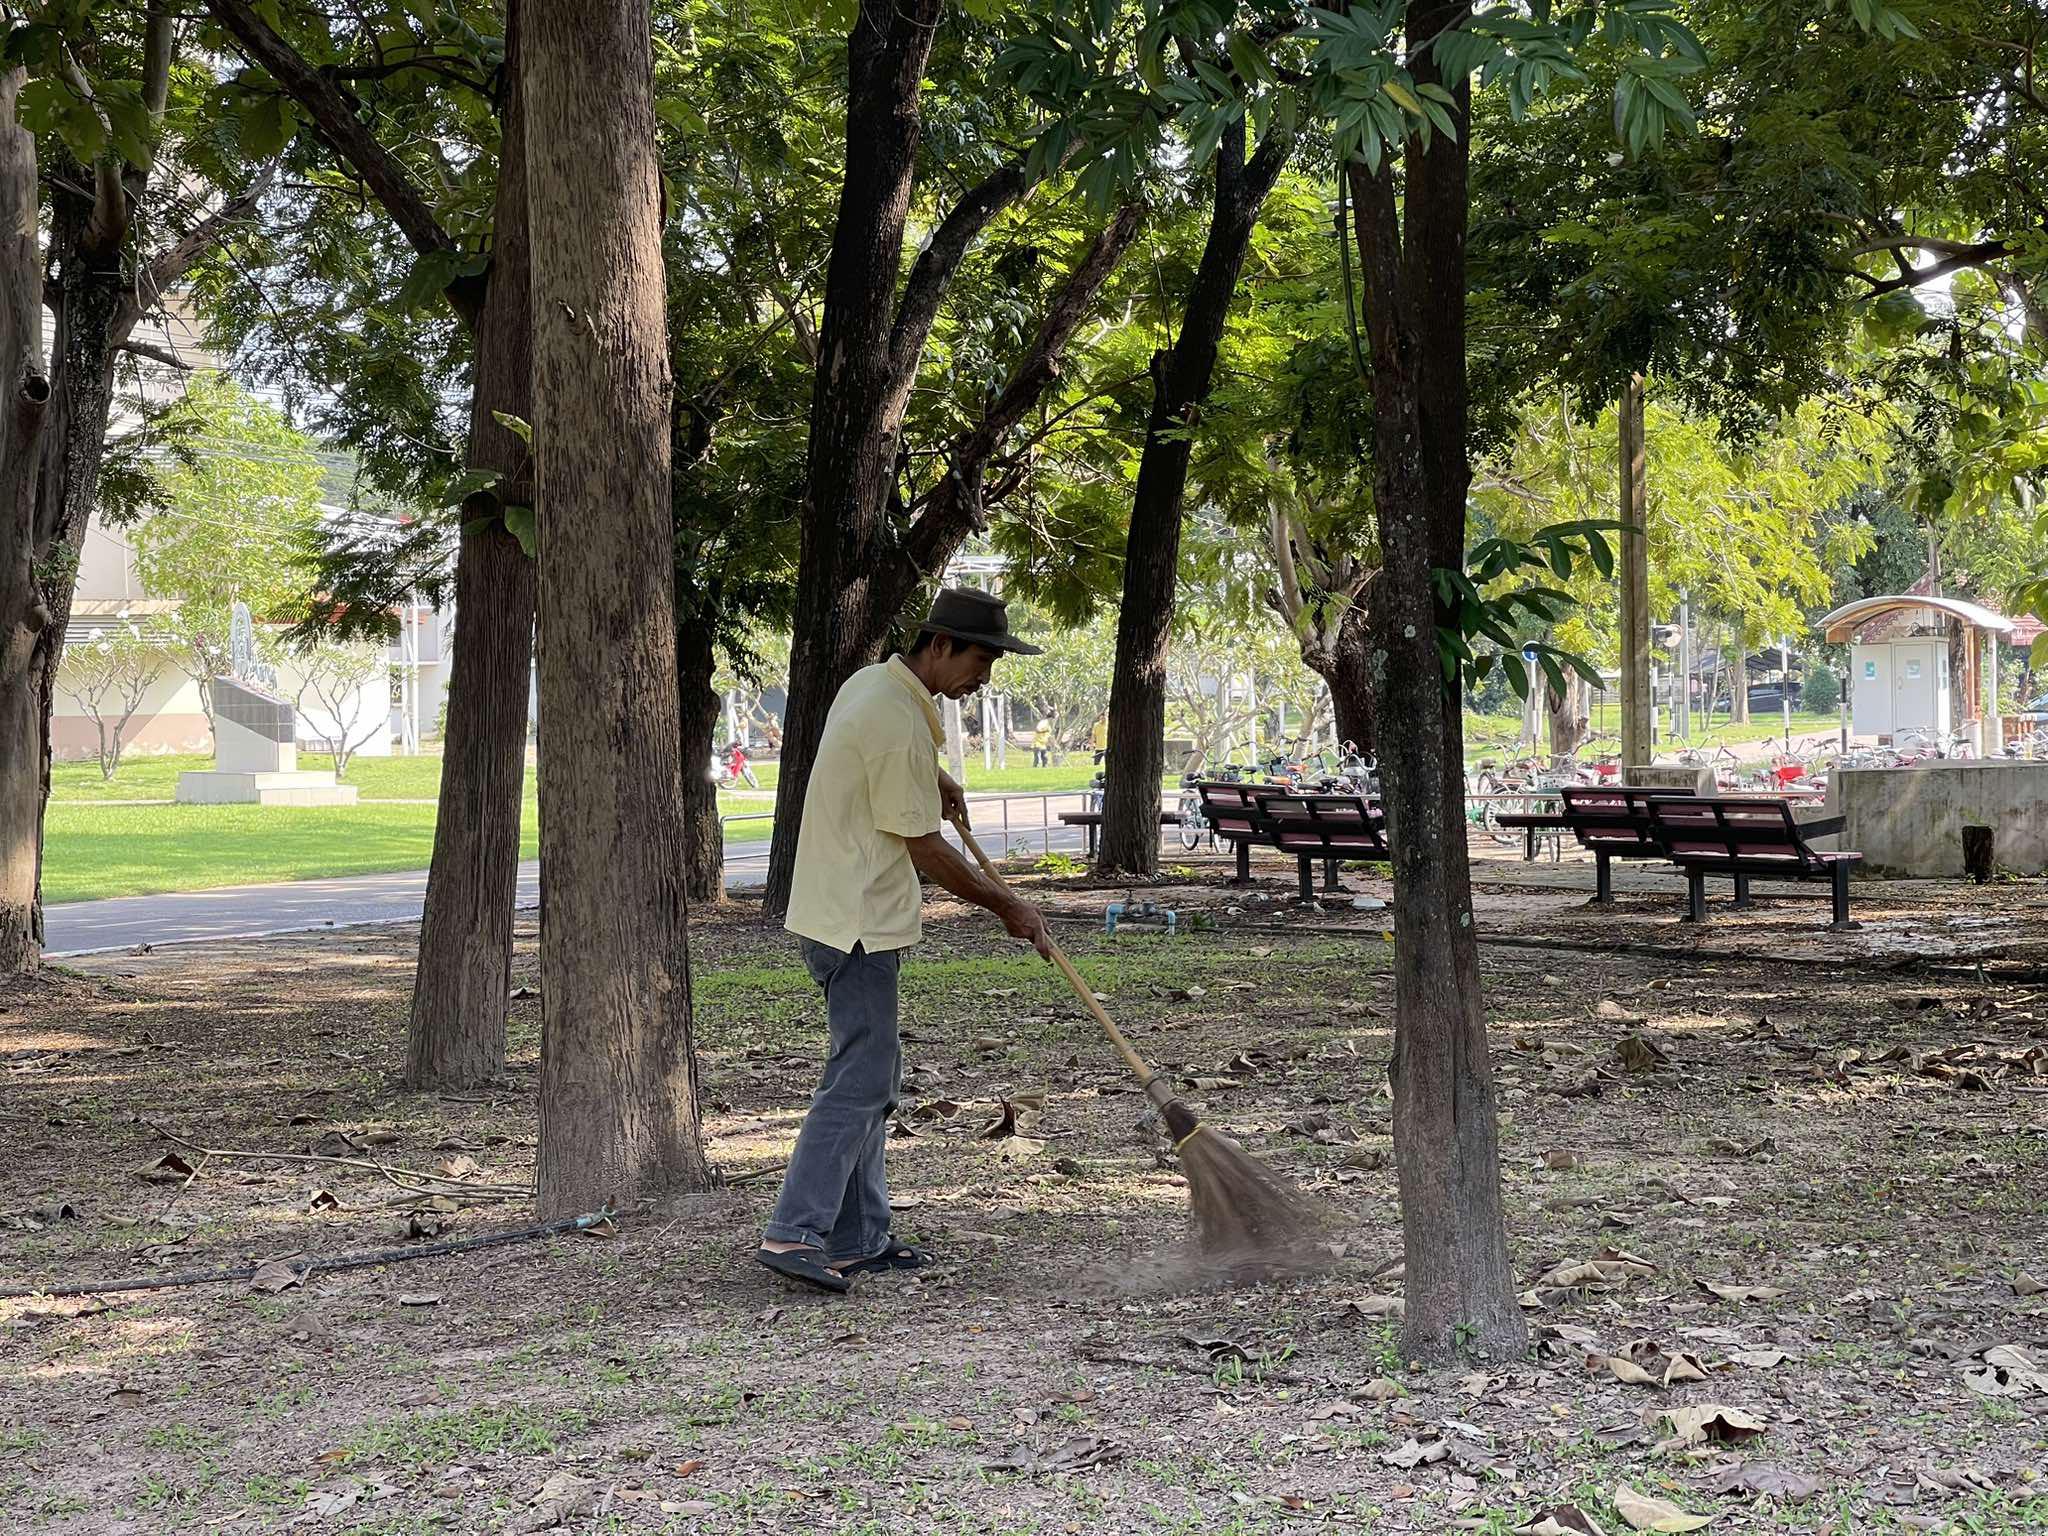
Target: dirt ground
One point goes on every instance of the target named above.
(1795, 1181)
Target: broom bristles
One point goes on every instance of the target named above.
(1243, 1210)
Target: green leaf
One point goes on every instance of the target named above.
(518, 426)
(519, 522)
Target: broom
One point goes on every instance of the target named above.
(1244, 1212)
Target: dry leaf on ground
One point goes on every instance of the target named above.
(1416, 1453)
(1764, 1478)
(1561, 1520)
(1702, 1422)
(1639, 1053)
(276, 1275)
(1739, 1294)
(1644, 1513)
(1375, 1306)
(168, 1169)
(2007, 1371)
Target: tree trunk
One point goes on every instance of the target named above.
(456, 1031)
(1738, 681)
(1346, 668)
(456, 1034)
(703, 838)
(1459, 1289)
(852, 461)
(62, 431)
(1566, 712)
(1180, 384)
(618, 1096)
(22, 610)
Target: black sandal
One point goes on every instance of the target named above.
(803, 1264)
(894, 1257)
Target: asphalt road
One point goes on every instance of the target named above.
(249, 911)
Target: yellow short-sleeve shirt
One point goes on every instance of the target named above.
(875, 783)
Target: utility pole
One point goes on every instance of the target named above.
(1785, 686)
(1636, 744)
(1685, 666)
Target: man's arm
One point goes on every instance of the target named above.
(938, 860)
(952, 801)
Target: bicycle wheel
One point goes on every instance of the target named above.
(1190, 821)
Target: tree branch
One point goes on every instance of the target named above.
(933, 271)
(162, 355)
(957, 505)
(350, 138)
(1984, 253)
(163, 273)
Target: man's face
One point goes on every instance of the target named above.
(963, 670)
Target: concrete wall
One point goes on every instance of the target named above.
(1909, 821)
(170, 720)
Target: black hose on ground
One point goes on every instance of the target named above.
(313, 1266)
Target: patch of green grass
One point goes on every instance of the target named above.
(428, 1438)
(185, 1439)
(94, 850)
(20, 1437)
(130, 850)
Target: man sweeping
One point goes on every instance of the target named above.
(872, 814)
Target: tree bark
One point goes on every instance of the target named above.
(1180, 384)
(618, 1098)
(456, 1031)
(1347, 672)
(23, 612)
(852, 461)
(461, 983)
(703, 838)
(1738, 679)
(70, 441)
(1566, 715)
(1459, 1290)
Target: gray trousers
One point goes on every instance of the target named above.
(835, 1194)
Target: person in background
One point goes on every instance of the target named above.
(1041, 745)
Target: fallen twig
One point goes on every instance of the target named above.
(313, 1266)
(389, 1171)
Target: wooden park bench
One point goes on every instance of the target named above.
(1748, 839)
(1232, 812)
(1326, 827)
(1610, 822)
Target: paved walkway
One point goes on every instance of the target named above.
(249, 911)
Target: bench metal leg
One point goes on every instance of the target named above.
(1839, 891)
(1330, 880)
(1529, 845)
(1090, 830)
(1603, 880)
(1695, 896)
(1742, 892)
(1308, 878)
(1244, 863)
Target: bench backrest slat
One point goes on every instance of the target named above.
(1731, 829)
(1335, 825)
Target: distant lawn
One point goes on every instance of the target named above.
(156, 778)
(131, 850)
(98, 850)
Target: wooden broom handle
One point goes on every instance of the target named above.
(1082, 990)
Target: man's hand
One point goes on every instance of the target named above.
(1025, 921)
(952, 798)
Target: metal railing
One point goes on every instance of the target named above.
(1045, 833)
